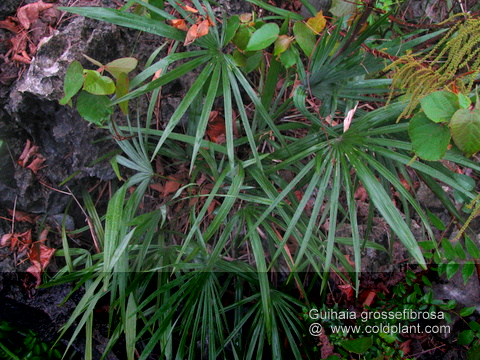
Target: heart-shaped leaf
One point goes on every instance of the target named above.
(94, 108)
(429, 140)
(97, 84)
(440, 105)
(465, 127)
(123, 65)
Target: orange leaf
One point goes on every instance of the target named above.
(369, 298)
(216, 130)
(9, 24)
(179, 24)
(188, 8)
(36, 163)
(203, 28)
(27, 14)
(40, 257)
(347, 290)
(191, 35)
(28, 151)
(171, 185)
(22, 216)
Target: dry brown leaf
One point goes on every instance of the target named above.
(203, 28)
(27, 14)
(22, 216)
(216, 130)
(347, 290)
(28, 151)
(188, 8)
(247, 17)
(36, 164)
(157, 187)
(179, 24)
(171, 185)
(40, 257)
(6, 240)
(10, 24)
(369, 298)
(191, 35)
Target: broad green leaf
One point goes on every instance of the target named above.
(474, 353)
(239, 58)
(304, 37)
(465, 337)
(122, 90)
(357, 346)
(472, 248)
(464, 101)
(263, 37)
(253, 61)
(97, 84)
(242, 37)
(232, 26)
(451, 269)
(119, 66)
(448, 249)
(460, 251)
(435, 220)
(288, 58)
(282, 44)
(429, 140)
(440, 105)
(73, 81)
(465, 127)
(94, 108)
(467, 311)
(468, 269)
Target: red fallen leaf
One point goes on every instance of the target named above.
(10, 24)
(28, 151)
(157, 187)
(25, 240)
(40, 257)
(203, 28)
(179, 24)
(405, 184)
(216, 130)
(210, 21)
(347, 290)
(299, 195)
(405, 347)
(6, 240)
(369, 298)
(22, 216)
(361, 194)
(188, 8)
(172, 185)
(27, 14)
(191, 35)
(36, 164)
